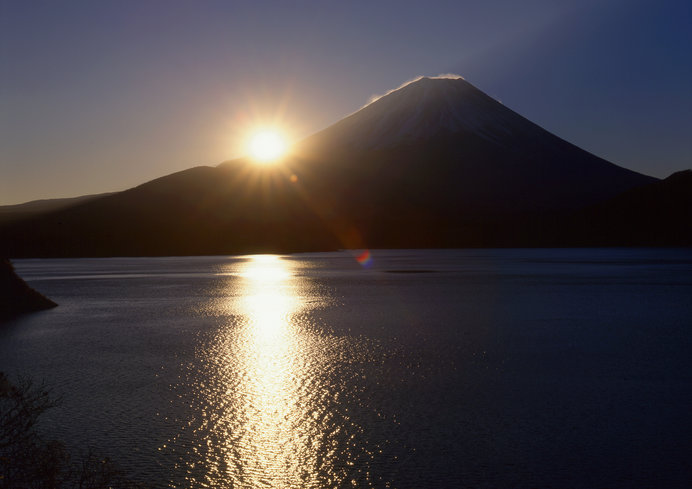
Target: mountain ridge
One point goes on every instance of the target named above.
(451, 167)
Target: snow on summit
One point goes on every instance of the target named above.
(449, 76)
(422, 108)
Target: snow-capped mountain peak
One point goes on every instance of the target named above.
(422, 109)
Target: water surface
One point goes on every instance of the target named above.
(450, 368)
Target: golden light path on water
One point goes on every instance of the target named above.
(267, 402)
(271, 446)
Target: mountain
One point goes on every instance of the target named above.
(434, 163)
(442, 138)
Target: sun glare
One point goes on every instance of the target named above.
(267, 145)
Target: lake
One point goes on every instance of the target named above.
(402, 369)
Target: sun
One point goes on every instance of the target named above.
(267, 145)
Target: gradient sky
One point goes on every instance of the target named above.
(100, 96)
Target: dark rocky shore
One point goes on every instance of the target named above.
(16, 297)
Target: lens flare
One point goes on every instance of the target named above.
(365, 258)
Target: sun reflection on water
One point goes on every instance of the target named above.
(268, 404)
(268, 302)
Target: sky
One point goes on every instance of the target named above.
(102, 96)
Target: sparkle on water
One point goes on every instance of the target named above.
(267, 399)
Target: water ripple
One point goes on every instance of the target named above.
(269, 405)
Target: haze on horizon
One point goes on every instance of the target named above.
(98, 97)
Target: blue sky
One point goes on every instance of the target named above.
(102, 96)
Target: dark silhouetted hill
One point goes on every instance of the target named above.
(659, 214)
(37, 207)
(203, 210)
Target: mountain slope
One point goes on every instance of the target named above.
(435, 163)
(37, 207)
(441, 138)
(203, 210)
